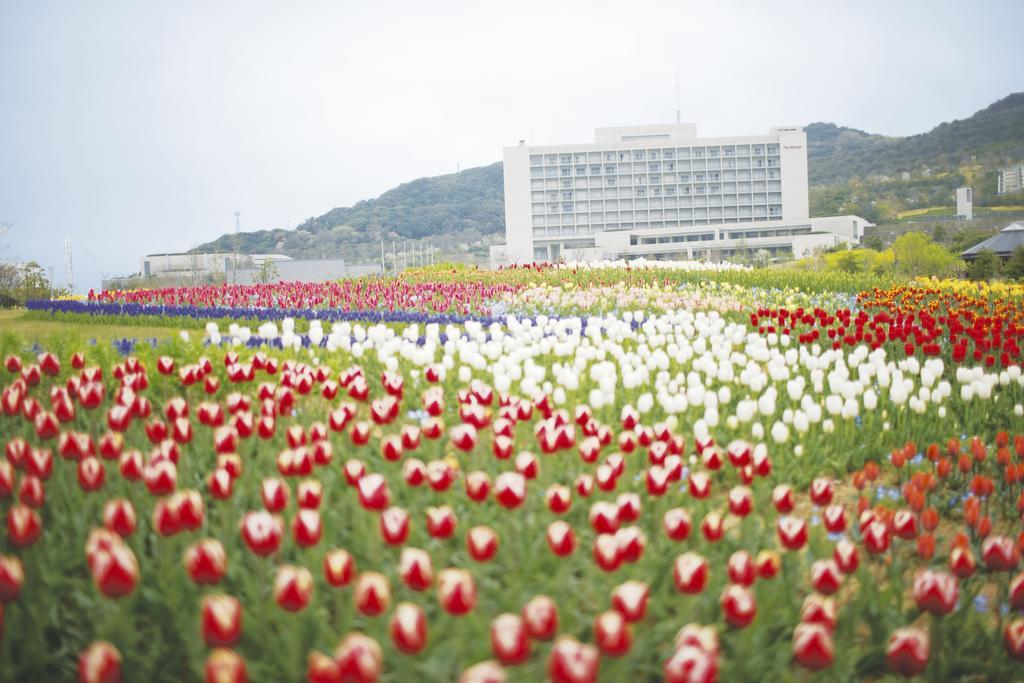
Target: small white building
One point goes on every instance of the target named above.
(662, 192)
(965, 203)
(1010, 180)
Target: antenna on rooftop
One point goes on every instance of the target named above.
(677, 98)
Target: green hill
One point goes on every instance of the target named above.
(851, 171)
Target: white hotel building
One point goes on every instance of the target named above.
(660, 192)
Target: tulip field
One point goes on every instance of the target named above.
(611, 473)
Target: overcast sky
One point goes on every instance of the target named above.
(139, 127)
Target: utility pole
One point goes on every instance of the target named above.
(382, 271)
(234, 262)
(69, 278)
(394, 256)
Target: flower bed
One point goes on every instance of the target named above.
(536, 499)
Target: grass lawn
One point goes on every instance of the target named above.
(34, 330)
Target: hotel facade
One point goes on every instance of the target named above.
(661, 192)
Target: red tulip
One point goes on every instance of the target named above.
(373, 492)
(482, 543)
(834, 518)
(408, 628)
(767, 564)
(792, 532)
(936, 591)
(876, 538)
(604, 517)
(540, 618)
(558, 498)
(741, 568)
(478, 486)
(416, 569)
(630, 599)
(573, 662)
(738, 605)
(629, 506)
(712, 526)
(510, 489)
(12, 576)
(510, 641)
(812, 646)
(359, 658)
(293, 587)
(439, 475)
(394, 525)
(782, 498)
(821, 491)
(606, 551)
(1013, 639)
(826, 576)
(206, 562)
(90, 474)
(584, 485)
(677, 524)
(160, 477)
(961, 562)
(262, 532)
(355, 469)
(322, 669)
(819, 610)
(690, 572)
(220, 483)
(1017, 592)
(23, 525)
(904, 525)
(999, 553)
(306, 527)
(845, 555)
(456, 591)
(32, 492)
(372, 593)
(907, 651)
(221, 619)
(700, 485)
(613, 633)
(441, 521)
(704, 638)
(115, 571)
(225, 666)
(339, 567)
(463, 437)
(741, 501)
(99, 663)
(690, 664)
(484, 672)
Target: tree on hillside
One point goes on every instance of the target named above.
(916, 255)
(874, 242)
(1015, 265)
(939, 233)
(985, 266)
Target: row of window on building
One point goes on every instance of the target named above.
(657, 154)
(653, 179)
(712, 193)
(763, 202)
(590, 170)
(585, 229)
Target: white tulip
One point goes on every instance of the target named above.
(780, 432)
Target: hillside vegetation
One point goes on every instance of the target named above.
(851, 171)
